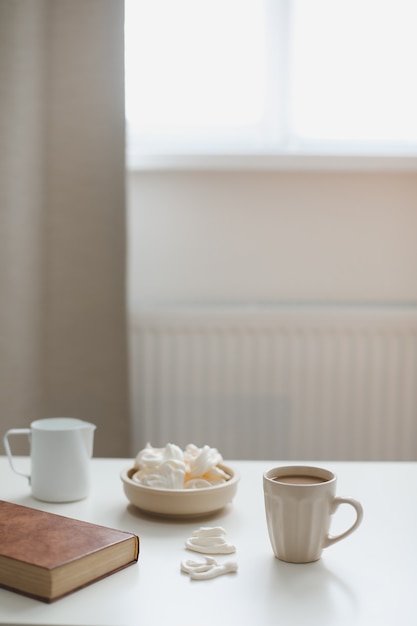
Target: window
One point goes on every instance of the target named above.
(262, 77)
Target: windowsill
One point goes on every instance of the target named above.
(272, 162)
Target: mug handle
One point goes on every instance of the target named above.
(330, 540)
(15, 431)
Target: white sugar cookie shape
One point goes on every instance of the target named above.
(208, 568)
(209, 540)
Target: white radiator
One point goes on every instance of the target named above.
(307, 383)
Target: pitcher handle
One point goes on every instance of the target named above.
(359, 515)
(15, 431)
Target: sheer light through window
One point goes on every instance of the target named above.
(271, 76)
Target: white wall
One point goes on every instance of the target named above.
(255, 236)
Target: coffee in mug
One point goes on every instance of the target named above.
(293, 479)
(299, 503)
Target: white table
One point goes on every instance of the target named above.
(367, 579)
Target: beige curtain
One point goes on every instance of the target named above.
(62, 216)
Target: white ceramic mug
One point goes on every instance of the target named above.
(60, 453)
(299, 503)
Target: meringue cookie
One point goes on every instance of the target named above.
(172, 468)
(201, 460)
(168, 475)
(153, 457)
(197, 483)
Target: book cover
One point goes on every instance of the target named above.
(47, 556)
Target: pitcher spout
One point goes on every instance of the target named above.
(88, 430)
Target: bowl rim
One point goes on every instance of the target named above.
(125, 475)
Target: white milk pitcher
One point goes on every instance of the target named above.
(60, 453)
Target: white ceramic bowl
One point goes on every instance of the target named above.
(180, 502)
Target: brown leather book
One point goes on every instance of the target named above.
(47, 556)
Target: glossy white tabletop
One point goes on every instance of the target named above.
(367, 579)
